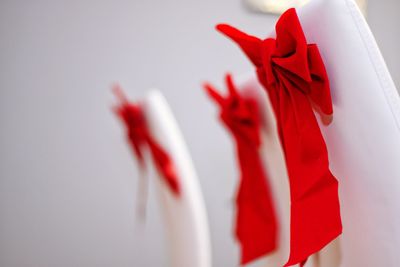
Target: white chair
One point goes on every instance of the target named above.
(185, 219)
(364, 137)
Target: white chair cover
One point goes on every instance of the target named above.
(364, 137)
(185, 219)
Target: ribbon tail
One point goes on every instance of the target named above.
(315, 209)
(256, 223)
(250, 45)
(303, 262)
(165, 166)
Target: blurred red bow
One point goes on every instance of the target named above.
(256, 226)
(139, 137)
(293, 73)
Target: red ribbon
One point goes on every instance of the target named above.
(294, 76)
(139, 137)
(256, 226)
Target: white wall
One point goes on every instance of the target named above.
(67, 179)
(384, 21)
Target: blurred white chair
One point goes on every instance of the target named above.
(185, 219)
(364, 137)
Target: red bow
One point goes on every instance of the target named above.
(256, 227)
(139, 137)
(293, 74)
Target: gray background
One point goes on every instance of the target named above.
(67, 178)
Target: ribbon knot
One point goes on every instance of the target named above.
(139, 138)
(294, 75)
(240, 115)
(286, 59)
(256, 225)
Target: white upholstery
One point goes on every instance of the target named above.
(364, 138)
(185, 219)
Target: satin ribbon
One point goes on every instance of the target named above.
(294, 75)
(139, 138)
(256, 226)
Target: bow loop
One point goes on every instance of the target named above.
(250, 45)
(291, 46)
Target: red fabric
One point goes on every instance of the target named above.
(139, 137)
(256, 227)
(294, 76)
